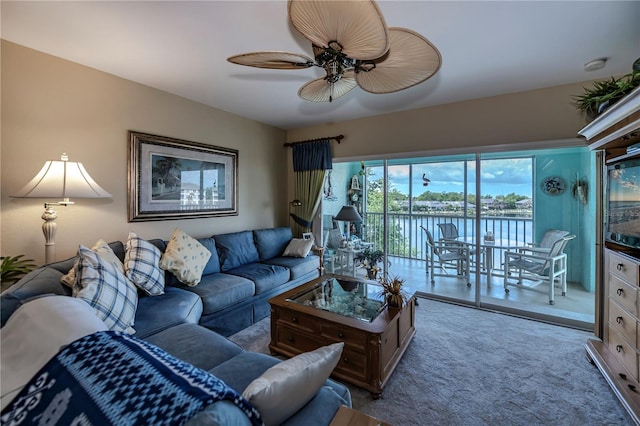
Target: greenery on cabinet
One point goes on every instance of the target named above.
(605, 93)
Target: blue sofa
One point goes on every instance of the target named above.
(245, 270)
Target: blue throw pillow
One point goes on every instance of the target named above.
(236, 249)
(213, 265)
(272, 242)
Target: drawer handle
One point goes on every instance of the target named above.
(341, 335)
(623, 376)
(620, 266)
(620, 292)
(632, 387)
(291, 339)
(345, 360)
(619, 348)
(294, 319)
(619, 320)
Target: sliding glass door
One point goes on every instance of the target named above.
(495, 205)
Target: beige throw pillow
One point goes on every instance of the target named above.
(104, 251)
(298, 248)
(286, 387)
(185, 257)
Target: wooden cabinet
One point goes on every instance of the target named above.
(617, 355)
(617, 351)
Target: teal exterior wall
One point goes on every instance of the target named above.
(566, 212)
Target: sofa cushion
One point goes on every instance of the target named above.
(272, 242)
(213, 265)
(105, 288)
(236, 249)
(141, 265)
(220, 413)
(185, 258)
(298, 266)
(264, 276)
(174, 307)
(287, 387)
(219, 291)
(196, 345)
(298, 247)
(241, 370)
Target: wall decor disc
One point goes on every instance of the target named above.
(553, 185)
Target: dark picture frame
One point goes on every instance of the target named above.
(172, 178)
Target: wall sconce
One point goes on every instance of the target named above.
(59, 179)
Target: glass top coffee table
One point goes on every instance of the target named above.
(362, 300)
(334, 308)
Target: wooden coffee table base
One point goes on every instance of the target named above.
(371, 349)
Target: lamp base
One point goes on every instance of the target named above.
(49, 228)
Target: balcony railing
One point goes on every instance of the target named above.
(406, 238)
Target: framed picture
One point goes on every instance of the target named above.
(307, 235)
(177, 179)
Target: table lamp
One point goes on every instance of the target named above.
(59, 179)
(348, 214)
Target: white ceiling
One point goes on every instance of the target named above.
(488, 48)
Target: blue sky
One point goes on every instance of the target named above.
(499, 177)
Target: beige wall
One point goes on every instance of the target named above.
(545, 117)
(50, 106)
(532, 116)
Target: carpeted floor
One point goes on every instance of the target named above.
(470, 367)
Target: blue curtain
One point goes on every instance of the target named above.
(312, 156)
(310, 160)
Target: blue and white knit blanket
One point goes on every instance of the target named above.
(112, 378)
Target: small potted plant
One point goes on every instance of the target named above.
(370, 259)
(392, 291)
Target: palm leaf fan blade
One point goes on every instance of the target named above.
(320, 90)
(411, 60)
(273, 60)
(358, 26)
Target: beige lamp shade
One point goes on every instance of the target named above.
(62, 179)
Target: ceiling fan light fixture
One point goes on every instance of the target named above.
(351, 42)
(320, 90)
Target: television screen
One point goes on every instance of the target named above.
(623, 207)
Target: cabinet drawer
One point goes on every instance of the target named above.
(350, 337)
(296, 341)
(624, 267)
(624, 294)
(624, 352)
(623, 322)
(353, 364)
(297, 320)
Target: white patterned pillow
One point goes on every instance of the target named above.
(298, 248)
(102, 248)
(141, 265)
(103, 286)
(185, 257)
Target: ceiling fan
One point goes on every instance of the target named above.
(354, 46)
